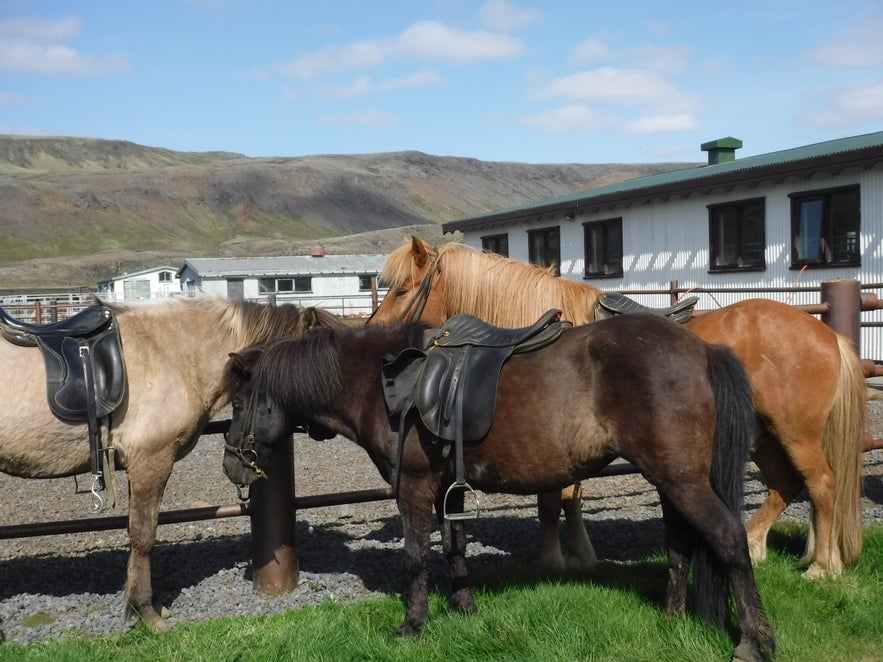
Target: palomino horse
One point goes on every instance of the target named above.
(635, 386)
(175, 351)
(808, 385)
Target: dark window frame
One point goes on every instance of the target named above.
(611, 249)
(544, 247)
(747, 244)
(835, 241)
(303, 284)
(365, 281)
(496, 243)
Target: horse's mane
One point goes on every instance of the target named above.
(248, 323)
(302, 373)
(500, 290)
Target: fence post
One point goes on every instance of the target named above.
(845, 300)
(273, 545)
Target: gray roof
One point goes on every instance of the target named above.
(862, 151)
(214, 267)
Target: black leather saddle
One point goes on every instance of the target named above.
(614, 303)
(85, 372)
(453, 382)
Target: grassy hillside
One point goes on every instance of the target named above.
(75, 210)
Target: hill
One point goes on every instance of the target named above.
(76, 210)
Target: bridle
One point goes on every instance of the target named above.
(245, 451)
(417, 303)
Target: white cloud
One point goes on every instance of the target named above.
(7, 100)
(427, 40)
(34, 45)
(591, 50)
(365, 85)
(570, 119)
(859, 46)
(848, 106)
(506, 17)
(663, 123)
(610, 85)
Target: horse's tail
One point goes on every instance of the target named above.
(842, 441)
(733, 435)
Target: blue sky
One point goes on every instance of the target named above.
(498, 80)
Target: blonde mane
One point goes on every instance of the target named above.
(500, 290)
(246, 323)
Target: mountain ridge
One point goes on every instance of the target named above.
(77, 210)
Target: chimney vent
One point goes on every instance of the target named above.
(318, 251)
(722, 150)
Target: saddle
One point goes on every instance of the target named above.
(90, 339)
(85, 372)
(453, 382)
(614, 303)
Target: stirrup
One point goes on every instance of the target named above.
(466, 514)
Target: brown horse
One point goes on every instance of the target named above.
(808, 385)
(175, 351)
(635, 386)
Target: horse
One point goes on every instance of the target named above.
(808, 385)
(635, 386)
(175, 351)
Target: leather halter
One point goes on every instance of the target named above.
(417, 303)
(245, 450)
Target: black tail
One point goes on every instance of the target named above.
(732, 444)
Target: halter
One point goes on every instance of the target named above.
(245, 451)
(415, 306)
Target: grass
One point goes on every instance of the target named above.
(611, 614)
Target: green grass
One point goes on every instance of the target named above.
(611, 614)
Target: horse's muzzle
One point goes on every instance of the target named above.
(238, 472)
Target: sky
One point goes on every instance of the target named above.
(498, 80)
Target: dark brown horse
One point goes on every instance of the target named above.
(808, 386)
(637, 386)
(175, 351)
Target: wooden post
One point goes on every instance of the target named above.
(845, 301)
(273, 544)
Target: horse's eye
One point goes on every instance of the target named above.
(401, 293)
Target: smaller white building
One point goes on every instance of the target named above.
(345, 285)
(152, 283)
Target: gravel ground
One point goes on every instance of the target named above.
(50, 585)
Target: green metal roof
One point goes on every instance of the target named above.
(863, 150)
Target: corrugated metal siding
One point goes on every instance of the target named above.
(668, 241)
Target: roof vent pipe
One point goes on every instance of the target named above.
(722, 150)
(318, 251)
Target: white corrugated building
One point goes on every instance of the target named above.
(343, 284)
(793, 218)
(151, 283)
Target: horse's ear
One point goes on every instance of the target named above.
(419, 251)
(309, 317)
(239, 364)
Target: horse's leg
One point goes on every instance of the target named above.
(454, 546)
(416, 511)
(578, 544)
(783, 484)
(146, 486)
(679, 544)
(549, 510)
(725, 535)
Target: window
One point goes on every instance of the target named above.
(285, 285)
(497, 243)
(266, 285)
(303, 283)
(544, 248)
(737, 236)
(365, 282)
(825, 228)
(165, 276)
(294, 284)
(603, 246)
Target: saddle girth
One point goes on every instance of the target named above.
(85, 372)
(453, 382)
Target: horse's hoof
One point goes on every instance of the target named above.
(405, 630)
(750, 651)
(815, 572)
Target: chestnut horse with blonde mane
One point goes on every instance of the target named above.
(807, 381)
(175, 351)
